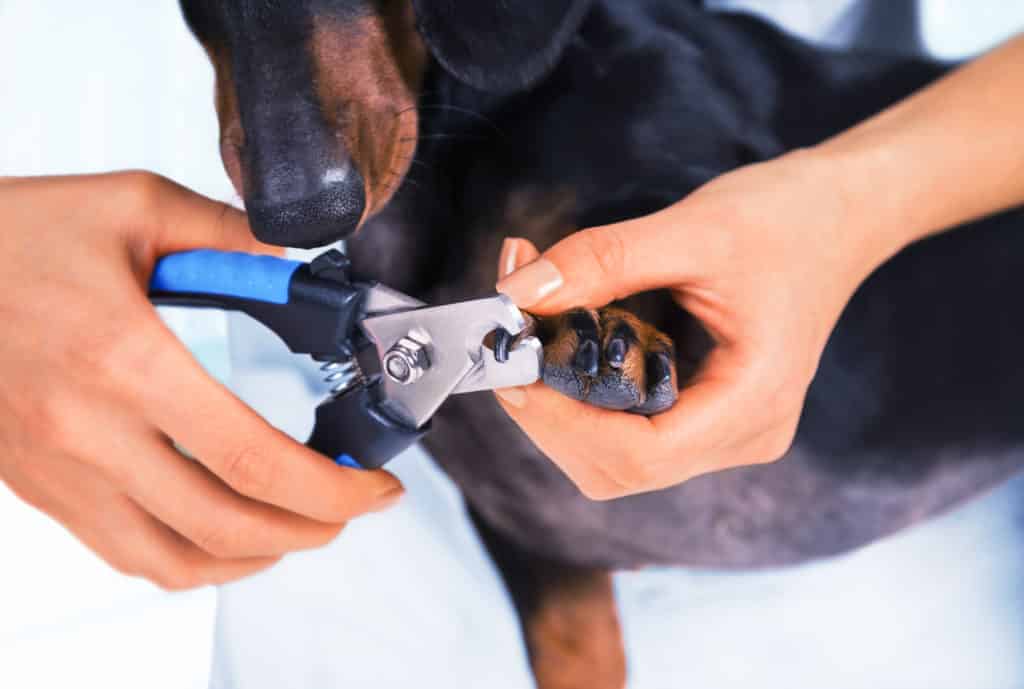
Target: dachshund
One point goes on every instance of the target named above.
(435, 128)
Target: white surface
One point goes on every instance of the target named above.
(949, 29)
(407, 598)
(936, 607)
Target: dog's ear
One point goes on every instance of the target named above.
(499, 45)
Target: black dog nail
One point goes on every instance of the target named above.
(616, 352)
(587, 358)
(659, 369)
(502, 343)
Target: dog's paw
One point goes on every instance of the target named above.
(609, 358)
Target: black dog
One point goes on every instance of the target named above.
(439, 126)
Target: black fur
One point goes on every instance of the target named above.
(915, 404)
(534, 122)
(498, 46)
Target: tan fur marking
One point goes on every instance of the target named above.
(575, 639)
(232, 136)
(561, 348)
(368, 74)
(634, 367)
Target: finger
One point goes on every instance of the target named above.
(87, 503)
(189, 220)
(136, 544)
(231, 440)
(185, 496)
(592, 446)
(516, 252)
(611, 454)
(174, 218)
(596, 266)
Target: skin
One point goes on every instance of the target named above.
(85, 351)
(794, 238)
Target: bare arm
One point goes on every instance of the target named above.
(767, 257)
(953, 152)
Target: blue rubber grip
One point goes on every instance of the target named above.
(244, 276)
(346, 461)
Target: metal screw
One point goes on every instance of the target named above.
(406, 361)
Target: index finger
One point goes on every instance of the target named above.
(184, 219)
(236, 444)
(592, 446)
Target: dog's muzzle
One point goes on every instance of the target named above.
(331, 211)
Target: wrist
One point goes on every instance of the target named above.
(874, 217)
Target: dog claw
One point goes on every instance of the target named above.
(659, 369)
(610, 359)
(616, 352)
(587, 358)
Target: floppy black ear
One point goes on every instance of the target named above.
(498, 45)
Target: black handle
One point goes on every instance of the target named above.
(356, 430)
(312, 307)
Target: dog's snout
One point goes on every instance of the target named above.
(306, 208)
(302, 188)
(318, 114)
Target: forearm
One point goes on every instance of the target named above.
(951, 153)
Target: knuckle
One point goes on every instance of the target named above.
(118, 470)
(177, 576)
(607, 249)
(326, 536)
(598, 491)
(30, 495)
(53, 424)
(775, 447)
(236, 535)
(139, 191)
(783, 445)
(634, 469)
(643, 475)
(125, 567)
(42, 419)
(249, 470)
(616, 479)
(118, 359)
(219, 540)
(110, 356)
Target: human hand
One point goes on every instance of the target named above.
(93, 388)
(764, 258)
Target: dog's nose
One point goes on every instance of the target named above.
(297, 206)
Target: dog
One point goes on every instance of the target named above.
(435, 128)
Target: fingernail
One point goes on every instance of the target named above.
(509, 253)
(531, 283)
(515, 397)
(388, 500)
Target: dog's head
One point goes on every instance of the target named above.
(317, 99)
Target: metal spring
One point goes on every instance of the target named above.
(342, 375)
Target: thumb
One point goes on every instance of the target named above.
(516, 252)
(182, 220)
(599, 265)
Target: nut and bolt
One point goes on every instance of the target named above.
(406, 361)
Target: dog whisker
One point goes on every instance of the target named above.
(454, 137)
(395, 174)
(465, 111)
(415, 161)
(411, 108)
